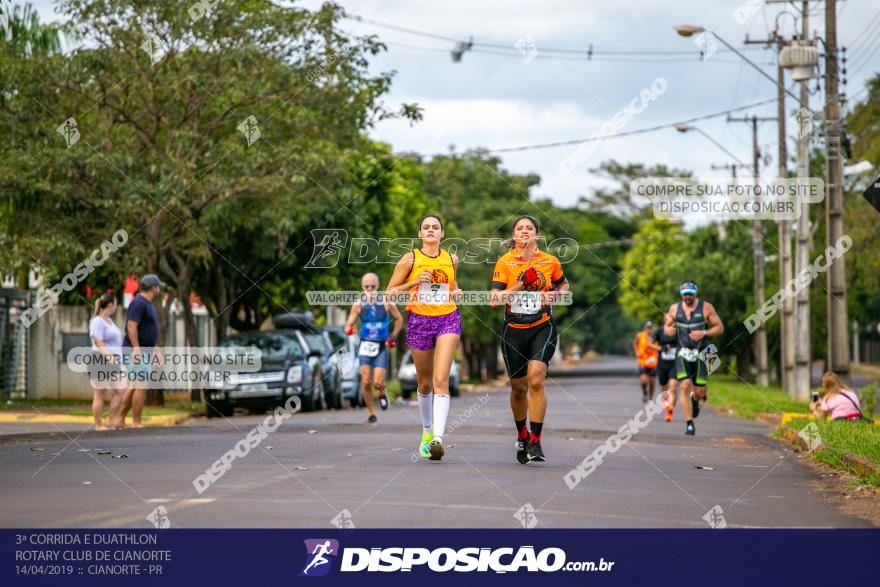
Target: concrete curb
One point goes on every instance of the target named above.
(791, 436)
(787, 417)
(774, 420)
(859, 464)
(9, 417)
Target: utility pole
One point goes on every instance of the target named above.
(760, 345)
(722, 232)
(802, 350)
(786, 269)
(784, 228)
(731, 166)
(838, 343)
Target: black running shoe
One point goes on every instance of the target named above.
(522, 456)
(383, 402)
(436, 449)
(695, 405)
(534, 451)
(690, 430)
(372, 419)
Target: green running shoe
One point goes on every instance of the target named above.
(425, 447)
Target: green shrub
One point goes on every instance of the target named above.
(868, 399)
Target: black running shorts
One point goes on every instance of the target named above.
(521, 345)
(696, 371)
(666, 370)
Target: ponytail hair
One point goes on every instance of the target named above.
(104, 301)
(510, 243)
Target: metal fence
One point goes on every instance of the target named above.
(13, 343)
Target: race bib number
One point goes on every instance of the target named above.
(689, 355)
(668, 354)
(433, 293)
(526, 303)
(369, 348)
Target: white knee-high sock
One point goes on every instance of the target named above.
(441, 411)
(426, 409)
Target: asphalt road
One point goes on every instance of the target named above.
(320, 464)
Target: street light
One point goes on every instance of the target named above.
(689, 30)
(683, 128)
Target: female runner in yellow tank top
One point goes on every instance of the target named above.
(433, 327)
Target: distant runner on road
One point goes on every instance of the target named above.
(646, 357)
(375, 340)
(667, 340)
(690, 318)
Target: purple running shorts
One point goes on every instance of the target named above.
(422, 331)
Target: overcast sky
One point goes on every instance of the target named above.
(494, 101)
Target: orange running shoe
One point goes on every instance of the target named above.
(669, 415)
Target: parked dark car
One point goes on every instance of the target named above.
(319, 350)
(346, 349)
(285, 371)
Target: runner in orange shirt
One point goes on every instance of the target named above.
(646, 356)
(528, 336)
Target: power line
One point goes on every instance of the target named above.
(402, 29)
(857, 54)
(585, 52)
(621, 134)
(867, 60)
(540, 55)
(871, 23)
(601, 58)
(517, 55)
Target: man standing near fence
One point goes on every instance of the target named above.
(141, 336)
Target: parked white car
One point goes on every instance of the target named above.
(407, 375)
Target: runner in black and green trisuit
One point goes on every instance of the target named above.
(690, 318)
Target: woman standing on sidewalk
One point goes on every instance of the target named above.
(106, 341)
(529, 335)
(433, 327)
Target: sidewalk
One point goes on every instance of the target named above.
(19, 422)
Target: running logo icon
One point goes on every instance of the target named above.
(320, 552)
(329, 243)
(68, 129)
(250, 129)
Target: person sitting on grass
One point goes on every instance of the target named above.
(838, 403)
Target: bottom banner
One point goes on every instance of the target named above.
(434, 557)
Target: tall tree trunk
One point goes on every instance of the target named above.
(189, 321)
(744, 362)
(472, 360)
(21, 278)
(490, 356)
(220, 311)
